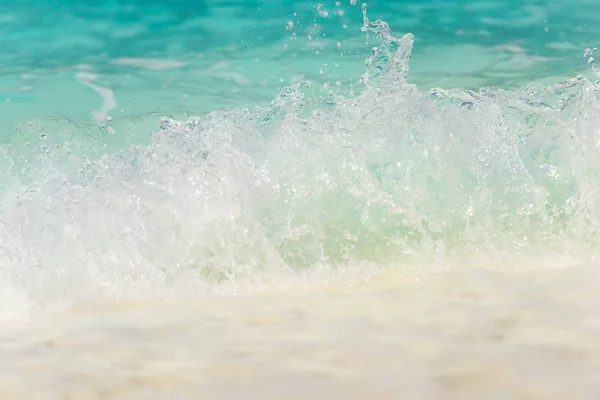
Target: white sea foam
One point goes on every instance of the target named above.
(109, 102)
(154, 64)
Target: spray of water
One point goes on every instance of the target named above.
(386, 178)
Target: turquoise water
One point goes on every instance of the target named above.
(168, 147)
(229, 55)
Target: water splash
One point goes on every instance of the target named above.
(591, 61)
(390, 61)
(390, 177)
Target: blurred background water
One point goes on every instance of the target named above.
(80, 61)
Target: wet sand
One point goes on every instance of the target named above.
(453, 334)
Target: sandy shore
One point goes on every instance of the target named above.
(469, 334)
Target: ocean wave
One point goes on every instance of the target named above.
(385, 176)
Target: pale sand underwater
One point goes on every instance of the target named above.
(453, 334)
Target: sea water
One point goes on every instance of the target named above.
(299, 199)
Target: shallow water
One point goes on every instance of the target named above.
(264, 200)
